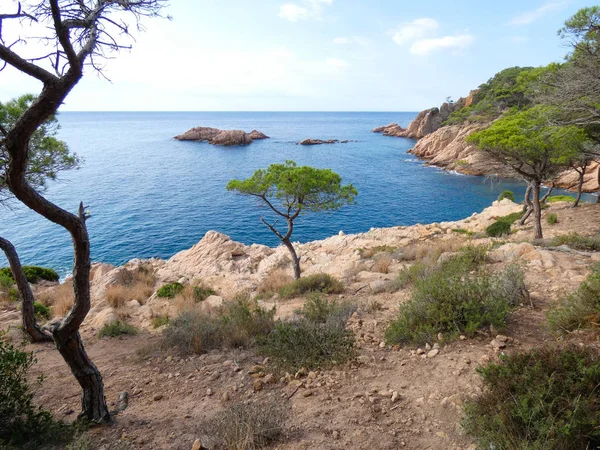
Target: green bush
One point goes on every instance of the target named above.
(498, 229)
(237, 324)
(22, 424)
(507, 194)
(560, 198)
(42, 311)
(117, 329)
(6, 281)
(201, 293)
(448, 299)
(552, 219)
(511, 218)
(160, 321)
(543, 399)
(33, 273)
(578, 242)
(580, 309)
(320, 282)
(169, 290)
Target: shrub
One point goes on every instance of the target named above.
(507, 194)
(237, 324)
(580, 309)
(498, 229)
(560, 198)
(462, 163)
(201, 293)
(22, 424)
(247, 426)
(160, 321)
(42, 311)
(542, 399)
(320, 282)
(447, 299)
(382, 263)
(578, 242)
(372, 251)
(463, 231)
(59, 298)
(117, 329)
(169, 290)
(552, 219)
(273, 282)
(33, 274)
(316, 339)
(511, 218)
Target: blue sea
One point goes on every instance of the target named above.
(152, 196)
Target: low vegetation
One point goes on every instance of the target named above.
(370, 252)
(542, 399)
(238, 323)
(552, 219)
(581, 308)
(59, 298)
(201, 293)
(117, 329)
(136, 284)
(42, 312)
(560, 198)
(577, 242)
(169, 290)
(34, 274)
(273, 282)
(455, 297)
(23, 425)
(160, 321)
(320, 282)
(317, 338)
(247, 426)
(503, 225)
(507, 194)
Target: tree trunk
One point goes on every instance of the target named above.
(527, 199)
(545, 197)
(295, 259)
(528, 207)
(29, 324)
(598, 178)
(580, 185)
(537, 211)
(93, 402)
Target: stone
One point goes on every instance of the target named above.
(420, 351)
(433, 353)
(395, 396)
(335, 435)
(497, 345)
(197, 445)
(269, 379)
(307, 393)
(133, 304)
(258, 385)
(157, 397)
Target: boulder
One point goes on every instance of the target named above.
(257, 135)
(105, 317)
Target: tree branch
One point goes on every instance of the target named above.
(11, 58)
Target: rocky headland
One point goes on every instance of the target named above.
(215, 136)
(444, 145)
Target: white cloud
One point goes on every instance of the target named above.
(307, 9)
(350, 40)
(532, 16)
(414, 30)
(427, 46)
(336, 63)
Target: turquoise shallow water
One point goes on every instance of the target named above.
(152, 196)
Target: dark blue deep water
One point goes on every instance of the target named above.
(152, 196)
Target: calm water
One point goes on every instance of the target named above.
(152, 196)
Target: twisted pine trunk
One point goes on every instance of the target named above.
(537, 211)
(580, 185)
(29, 323)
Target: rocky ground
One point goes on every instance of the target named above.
(387, 397)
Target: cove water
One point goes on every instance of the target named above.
(152, 196)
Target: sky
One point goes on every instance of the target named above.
(315, 55)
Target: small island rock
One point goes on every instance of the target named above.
(221, 137)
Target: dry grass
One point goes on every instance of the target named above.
(431, 251)
(274, 281)
(59, 298)
(185, 301)
(130, 285)
(351, 275)
(383, 263)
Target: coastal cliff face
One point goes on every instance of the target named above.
(445, 146)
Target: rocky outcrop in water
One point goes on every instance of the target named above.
(425, 123)
(320, 142)
(221, 137)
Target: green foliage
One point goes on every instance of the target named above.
(297, 188)
(463, 231)
(316, 339)
(577, 242)
(22, 424)
(507, 89)
(511, 218)
(160, 321)
(201, 293)
(42, 311)
(33, 274)
(462, 163)
(560, 198)
(498, 229)
(507, 194)
(545, 399)
(170, 290)
(581, 308)
(117, 329)
(237, 324)
(552, 218)
(448, 298)
(47, 155)
(320, 282)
